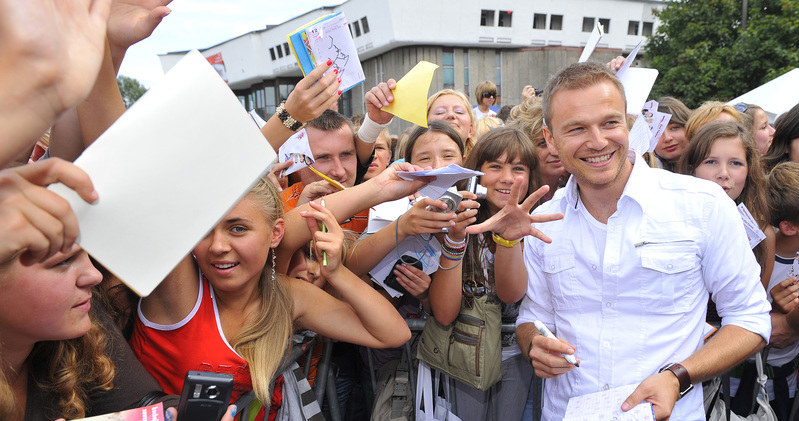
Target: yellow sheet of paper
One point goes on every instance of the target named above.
(410, 95)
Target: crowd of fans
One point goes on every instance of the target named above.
(294, 255)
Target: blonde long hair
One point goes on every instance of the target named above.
(264, 340)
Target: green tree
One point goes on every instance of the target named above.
(703, 53)
(130, 89)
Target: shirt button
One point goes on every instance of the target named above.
(606, 344)
(593, 267)
(669, 266)
(552, 267)
(606, 387)
(609, 304)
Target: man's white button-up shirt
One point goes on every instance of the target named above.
(631, 295)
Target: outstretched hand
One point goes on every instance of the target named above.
(378, 97)
(132, 21)
(392, 187)
(314, 93)
(33, 220)
(513, 222)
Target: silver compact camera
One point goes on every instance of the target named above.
(478, 189)
(451, 199)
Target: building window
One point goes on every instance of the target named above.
(588, 24)
(498, 75)
(286, 49)
(279, 51)
(505, 18)
(357, 27)
(242, 100)
(259, 102)
(466, 71)
(486, 18)
(271, 101)
(448, 65)
(345, 103)
(605, 25)
(285, 90)
(647, 29)
(540, 21)
(272, 53)
(365, 25)
(632, 27)
(556, 22)
(350, 26)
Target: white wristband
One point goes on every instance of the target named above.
(370, 130)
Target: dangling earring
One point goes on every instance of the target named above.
(274, 277)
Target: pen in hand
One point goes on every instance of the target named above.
(324, 229)
(544, 331)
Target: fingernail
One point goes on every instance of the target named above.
(234, 411)
(303, 213)
(339, 80)
(329, 62)
(339, 91)
(168, 416)
(625, 406)
(335, 71)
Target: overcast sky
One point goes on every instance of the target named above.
(203, 23)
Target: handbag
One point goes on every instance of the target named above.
(718, 409)
(469, 349)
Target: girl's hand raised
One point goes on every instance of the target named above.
(328, 242)
(513, 222)
(378, 97)
(314, 94)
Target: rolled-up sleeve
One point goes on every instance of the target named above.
(730, 271)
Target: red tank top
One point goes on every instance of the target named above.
(196, 343)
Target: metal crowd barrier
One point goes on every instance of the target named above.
(324, 386)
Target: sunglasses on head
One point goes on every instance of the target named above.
(741, 107)
(490, 95)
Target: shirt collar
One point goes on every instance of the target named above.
(638, 188)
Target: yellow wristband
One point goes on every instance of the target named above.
(503, 242)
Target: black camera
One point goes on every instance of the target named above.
(391, 279)
(205, 396)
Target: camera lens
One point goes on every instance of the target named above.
(212, 392)
(450, 204)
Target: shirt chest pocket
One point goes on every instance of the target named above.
(559, 267)
(671, 278)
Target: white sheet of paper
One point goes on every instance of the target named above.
(166, 171)
(606, 405)
(592, 42)
(629, 60)
(331, 40)
(753, 233)
(637, 82)
(639, 137)
(427, 251)
(445, 178)
(385, 213)
(296, 149)
(656, 120)
(257, 119)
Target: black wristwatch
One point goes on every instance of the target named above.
(682, 376)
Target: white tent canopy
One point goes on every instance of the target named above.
(776, 96)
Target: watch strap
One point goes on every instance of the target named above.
(682, 376)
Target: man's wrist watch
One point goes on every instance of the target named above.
(682, 376)
(287, 119)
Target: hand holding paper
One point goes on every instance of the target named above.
(410, 95)
(378, 97)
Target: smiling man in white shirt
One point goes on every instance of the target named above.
(625, 281)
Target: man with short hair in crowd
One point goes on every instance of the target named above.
(625, 282)
(338, 154)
